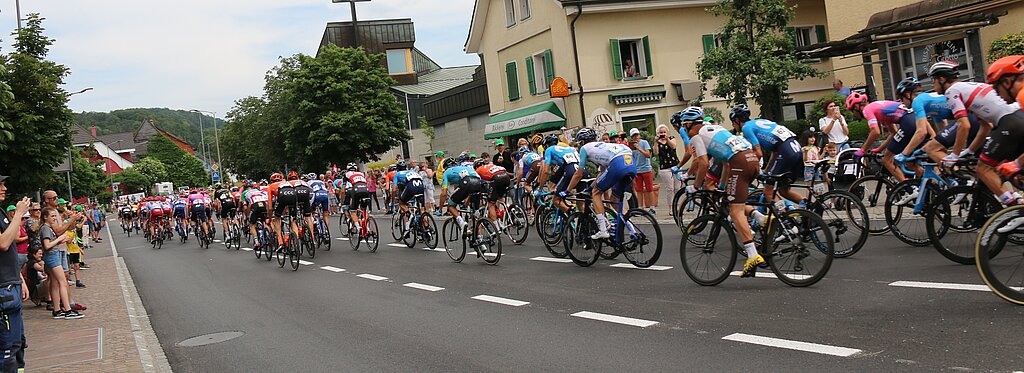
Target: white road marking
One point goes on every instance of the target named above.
(372, 277)
(305, 263)
(550, 259)
(762, 274)
(499, 300)
(217, 241)
(332, 269)
(792, 345)
(429, 249)
(651, 268)
(342, 238)
(943, 285)
(423, 286)
(614, 319)
(247, 248)
(396, 244)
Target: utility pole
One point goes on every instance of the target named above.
(355, 20)
(17, 5)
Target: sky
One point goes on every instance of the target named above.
(205, 54)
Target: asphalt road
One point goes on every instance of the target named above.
(375, 315)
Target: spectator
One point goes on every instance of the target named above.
(503, 155)
(811, 156)
(644, 184)
(831, 152)
(834, 125)
(35, 275)
(667, 158)
(371, 186)
(521, 143)
(605, 138)
(439, 157)
(840, 88)
(427, 174)
(22, 240)
(53, 264)
(12, 286)
(74, 253)
(629, 69)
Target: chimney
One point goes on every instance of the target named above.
(93, 130)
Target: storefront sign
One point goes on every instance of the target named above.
(559, 88)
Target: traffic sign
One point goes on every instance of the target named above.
(215, 167)
(215, 176)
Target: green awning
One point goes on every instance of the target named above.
(532, 118)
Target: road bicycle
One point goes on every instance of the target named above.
(513, 221)
(418, 225)
(797, 245)
(634, 233)
(158, 235)
(264, 241)
(307, 242)
(999, 250)
(367, 229)
(909, 202)
(550, 224)
(290, 250)
(873, 188)
(322, 232)
(203, 238)
(480, 233)
(955, 215)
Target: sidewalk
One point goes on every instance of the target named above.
(114, 336)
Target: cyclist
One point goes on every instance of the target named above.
(356, 191)
(389, 188)
(499, 181)
(281, 196)
(1007, 76)
(567, 159)
(617, 173)
(126, 215)
(225, 202)
(196, 209)
(303, 200)
(468, 182)
(255, 202)
(165, 205)
(982, 99)
(407, 184)
(768, 137)
(154, 217)
(886, 113)
(714, 141)
(321, 197)
(933, 106)
(910, 133)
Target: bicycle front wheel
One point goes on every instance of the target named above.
(550, 226)
(872, 192)
(955, 218)
(641, 238)
(489, 241)
(452, 234)
(906, 224)
(800, 248)
(372, 234)
(396, 226)
(517, 224)
(847, 218)
(581, 249)
(1001, 239)
(708, 250)
(430, 233)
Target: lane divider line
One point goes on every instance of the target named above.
(630, 266)
(396, 244)
(342, 239)
(434, 249)
(614, 319)
(551, 260)
(305, 263)
(372, 277)
(247, 248)
(332, 269)
(500, 300)
(792, 345)
(426, 287)
(943, 285)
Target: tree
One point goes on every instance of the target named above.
(132, 181)
(252, 147)
(38, 116)
(6, 101)
(756, 56)
(87, 179)
(1007, 45)
(154, 170)
(183, 169)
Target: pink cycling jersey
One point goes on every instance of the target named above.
(196, 199)
(885, 112)
(978, 98)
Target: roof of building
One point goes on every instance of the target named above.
(376, 36)
(81, 135)
(438, 81)
(119, 141)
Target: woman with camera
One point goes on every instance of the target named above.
(665, 149)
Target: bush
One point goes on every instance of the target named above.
(858, 130)
(1008, 45)
(797, 126)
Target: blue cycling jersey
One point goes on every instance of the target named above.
(179, 204)
(402, 177)
(766, 133)
(455, 174)
(932, 106)
(560, 155)
(318, 187)
(719, 143)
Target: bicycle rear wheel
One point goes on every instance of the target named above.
(708, 250)
(1001, 268)
(691, 206)
(641, 238)
(846, 217)
(907, 225)
(396, 226)
(801, 254)
(282, 255)
(581, 249)
(372, 234)
(452, 234)
(489, 241)
(294, 251)
(872, 192)
(517, 224)
(308, 242)
(955, 218)
(325, 235)
(430, 233)
(409, 235)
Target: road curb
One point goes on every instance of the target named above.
(151, 354)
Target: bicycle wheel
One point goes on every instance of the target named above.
(452, 234)
(410, 234)
(488, 239)
(606, 250)
(846, 217)
(909, 226)
(257, 250)
(396, 226)
(282, 255)
(517, 224)
(269, 245)
(308, 243)
(325, 235)
(581, 249)
(679, 196)
(641, 238)
(294, 251)
(345, 224)
(872, 192)
(550, 226)
(801, 254)
(695, 205)
(708, 250)
(372, 234)
(955, 218)
(1001, 271)
(430, 234)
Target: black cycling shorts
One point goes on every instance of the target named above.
(285, 198)
(568, 170)
(357, 196)
(227, 209)
(257, 212)
(905, 130)
(499, 186)
(467, 186)
(947, 136)
(412, 189)
(304, 200)
(789, 162)
(1004, 143)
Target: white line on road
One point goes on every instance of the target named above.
(435, 249)
(305, 263)
(247, 248)
(499, 300)
(792, 345)
(372, 277)
(550, 259)
(396, 244)
(217, 241)
(342, 238)
(332, 269)
(942, 285)
(615, 319)
(762, 274)
(423, 286)
(651, 268)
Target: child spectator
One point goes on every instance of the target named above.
(811, 157)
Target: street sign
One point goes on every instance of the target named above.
(116, 187)
(215, 167)
(559, 88)
(215, 176)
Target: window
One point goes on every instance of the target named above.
(524, 10)
(645, 122)
(797, 110)
(807, 35)
(512, 81)
(399, 61)
(711, 41)
(510, 13)
(541, 64)
(631, 59)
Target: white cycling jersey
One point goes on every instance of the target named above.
(978, 98)
(602, 153)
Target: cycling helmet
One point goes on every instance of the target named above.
(550, 140)
(448, 163)
(392, 168)
(305, 177)
(691, 114)
(263, 182)
(352, 167)
(907, 85)
(586, 135)
(855, 98)
(676, 118)
(536, 139)
(947, 69)
(292, 175)
(523, 150)
(247, 184)
(276, 177)
(463, 158)
(1012, 65)
(234, 189)
(400, 166)
(739, 112)
(479, 163)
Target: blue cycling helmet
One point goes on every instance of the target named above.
(550, 140)
(740, 112)
(400, 165)
(676, 119)
(524, 149)
(907, 85)
(692, 114)
(586, 135)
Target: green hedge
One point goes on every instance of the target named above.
(858, 130)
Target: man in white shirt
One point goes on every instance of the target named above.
(834, 125)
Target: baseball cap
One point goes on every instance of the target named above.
(612, 133)
(634, 131)
(499, 142)
(61, 201)
(710, 119)
(11, 208)
(439, 153)
(79, 208)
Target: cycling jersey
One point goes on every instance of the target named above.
(254, 196)
(719, 143)
(560, 155)
(196, 200)
(601, 153)
(978, 98)
(765, 133)
(318, 187)
(455, 174)
(179, 203)
(489, 171)
(402, 177)
(932, 106)
(350, 179)
(527, 161)
(885, 112)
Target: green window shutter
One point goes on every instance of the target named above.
(791, 32)
(709, 42)
(513, 81)
(616, 59)
(549, 68)
(530, 76)
(647, 56)
(820, 30)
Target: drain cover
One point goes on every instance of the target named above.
(209, 339)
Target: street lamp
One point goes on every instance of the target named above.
(216, 134)
(202, 137)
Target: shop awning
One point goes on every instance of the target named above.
(636, 97)
(532, 118)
